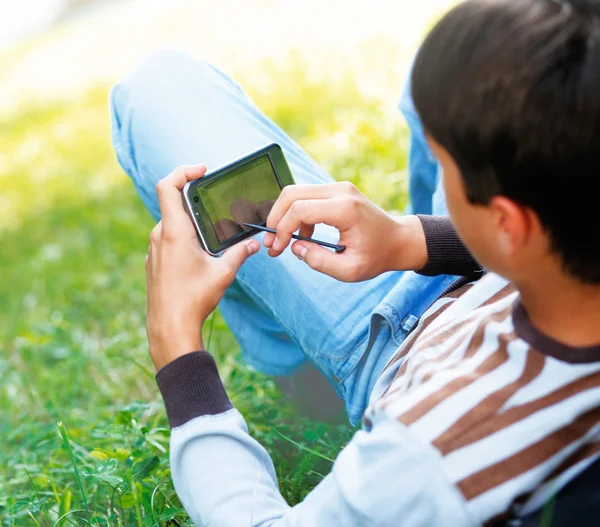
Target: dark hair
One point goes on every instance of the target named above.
(511, 89)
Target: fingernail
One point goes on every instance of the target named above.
(251, 247)
(303, 253)
(277, 244)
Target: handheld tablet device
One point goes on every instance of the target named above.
(221, 202)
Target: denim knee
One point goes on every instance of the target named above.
(162, 73)
(162, 85)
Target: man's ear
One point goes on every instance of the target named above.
(514, 224)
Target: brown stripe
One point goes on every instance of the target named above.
(577, 457)
(460, 291)
(507, 290)
(528, 458)
(517, 413)
(413, 336)
(415, 359)
(587, 451)
(432, 340)
(494, 361)
(423, 363)
(451, 439)
(442, 357)
(454, 295)
(488, 365)
(445, 333)
(471, 348)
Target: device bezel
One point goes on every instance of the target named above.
(202, 222)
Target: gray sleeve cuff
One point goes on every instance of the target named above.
(191, 387)
(446, 253)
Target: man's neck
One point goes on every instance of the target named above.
(563, 308)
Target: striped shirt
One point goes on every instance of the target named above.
(477, 417)
(512, 414)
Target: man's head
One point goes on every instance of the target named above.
(509, 95)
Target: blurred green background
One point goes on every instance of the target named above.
(73, 234)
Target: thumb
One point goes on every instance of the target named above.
(235, 256)
(320, 259)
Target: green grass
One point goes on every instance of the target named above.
(84, 434)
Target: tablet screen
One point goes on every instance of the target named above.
(244, 195)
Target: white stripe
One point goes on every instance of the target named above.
(489, 347)
(555, 375)
(445, 414)
(390, 372)
(467, 305)
(488, 286)
(438, 366)
(419, 355)
(513, 439)
(480, 293)
(421, 352)
(497, 500)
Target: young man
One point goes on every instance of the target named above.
(493, 399)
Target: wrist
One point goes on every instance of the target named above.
(165, 347)
(408, 247)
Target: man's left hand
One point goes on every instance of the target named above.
(184, 282)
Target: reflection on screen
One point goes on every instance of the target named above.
(245, 195)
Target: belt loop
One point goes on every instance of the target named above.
(408, 323)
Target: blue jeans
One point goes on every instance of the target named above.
(174, 110)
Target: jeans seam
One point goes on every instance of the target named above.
(339, 359)
(361, 343)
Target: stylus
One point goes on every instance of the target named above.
(337, 248)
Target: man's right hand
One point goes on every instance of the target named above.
(375, 242)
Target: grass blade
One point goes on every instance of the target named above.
(38, 496)
(138, 510)
(156, 520)
(302, 447)
(210, 330)
(65, 437)
(64, 517)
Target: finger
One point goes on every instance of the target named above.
(336, 212)
(147, 267)
(235, 256)
(323, 260)
(307, 230)
(304, 230)
(268, 239)
(155, 235)
(293, 193)
(168, 191)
